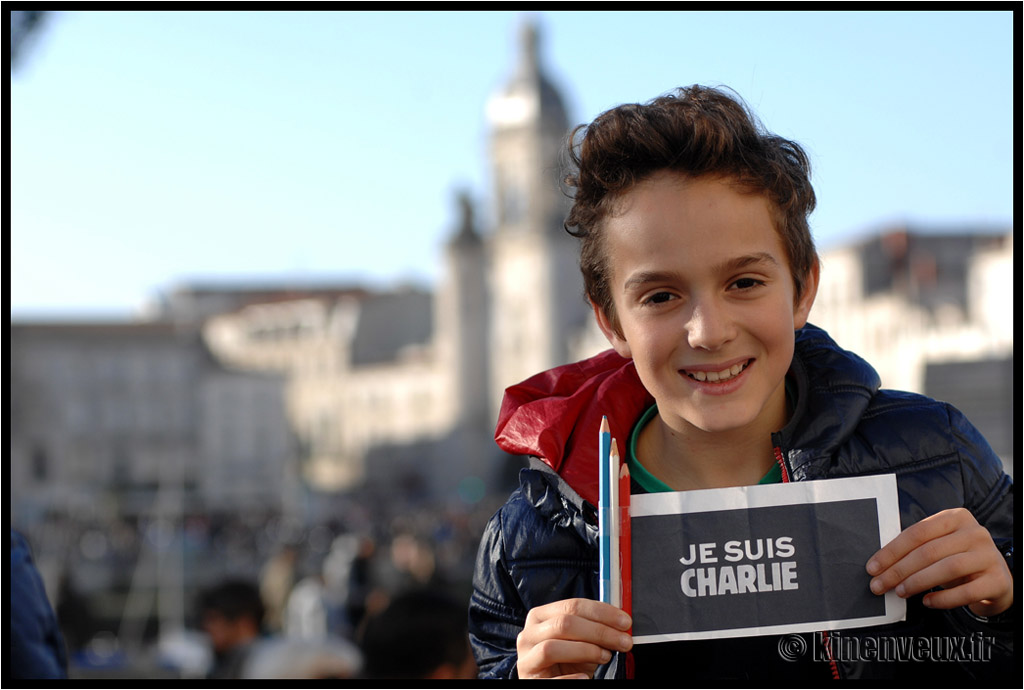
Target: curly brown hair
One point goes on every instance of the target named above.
(698, 131)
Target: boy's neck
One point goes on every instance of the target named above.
(688, 458)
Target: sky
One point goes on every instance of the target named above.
(154, 149)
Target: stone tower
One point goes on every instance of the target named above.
(462, 321)
(536, 289)
(461, 326)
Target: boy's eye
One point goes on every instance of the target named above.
(659, 298)
(747, 283)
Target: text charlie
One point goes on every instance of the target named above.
(760, 571)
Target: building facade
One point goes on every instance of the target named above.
(111, 419)
(509, 304)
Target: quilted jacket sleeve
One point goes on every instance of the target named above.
(540, 547)
(496, 616)
(989, 495)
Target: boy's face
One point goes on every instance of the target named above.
(705, 302)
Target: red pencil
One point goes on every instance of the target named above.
(625, 542)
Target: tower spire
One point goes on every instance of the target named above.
(528, 97)
(529, 60)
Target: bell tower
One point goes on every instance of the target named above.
(536, 286)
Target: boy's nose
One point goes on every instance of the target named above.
(709, 327)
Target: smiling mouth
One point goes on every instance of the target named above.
(718, 376)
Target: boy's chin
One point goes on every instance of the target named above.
(718, 427)
(719, 422)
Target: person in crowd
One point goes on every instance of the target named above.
(306, 614)
(231, 614)
(36, 644)
(276, 581)
(420, 634)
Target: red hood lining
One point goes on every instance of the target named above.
(556, 416)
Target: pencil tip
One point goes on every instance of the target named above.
(604, 424)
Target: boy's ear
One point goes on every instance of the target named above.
(611, 332)
(802, 308)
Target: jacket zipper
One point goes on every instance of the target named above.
(782, 464)
(826, 640)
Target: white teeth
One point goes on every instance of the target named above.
(717, 376)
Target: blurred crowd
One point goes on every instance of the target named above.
(363, 596)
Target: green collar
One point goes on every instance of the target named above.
(651, 484)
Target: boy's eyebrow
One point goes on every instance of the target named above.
(741, 262)
(735, 264)
(645, 277)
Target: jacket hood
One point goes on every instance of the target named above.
(556, 415)
(834, 389)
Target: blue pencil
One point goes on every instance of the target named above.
(605, 512)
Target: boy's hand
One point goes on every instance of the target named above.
(949, 549)
(571, 638)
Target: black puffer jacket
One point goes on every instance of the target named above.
(541, 546)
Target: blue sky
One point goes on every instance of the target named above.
(153, 148)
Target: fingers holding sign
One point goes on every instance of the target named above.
(571, 638)
(949, 550)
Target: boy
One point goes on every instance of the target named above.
(700, 267)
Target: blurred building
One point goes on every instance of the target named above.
(137, 446)
(109, 419)
(400, 390)
(931, 311)
(121, 433)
